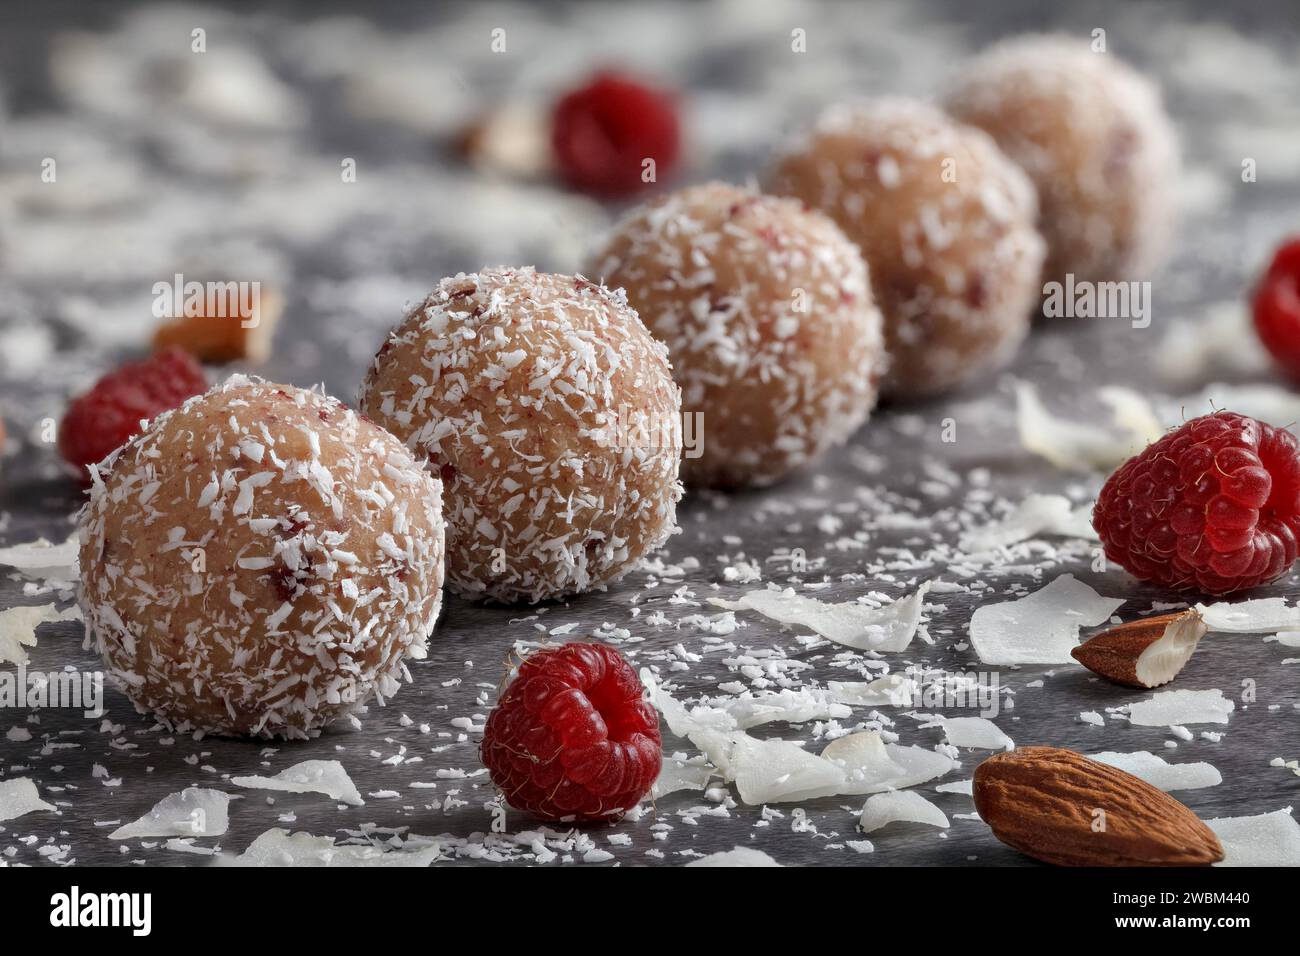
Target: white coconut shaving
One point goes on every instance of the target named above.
(194, 812)
(889, 628)
(687, 773)
(740, 856)
(782, 771)
(54, 564)
(1222, 341)
(19, 796)
(892, 690)
(1040, 628)
(1073, 445)
(1267, 839)
(310, 776)
(900, 806)
(1250, 617)
(1034, 517)
(870, 765)
(979, 733)
(1169, 707)
(18, 628)
(779, 771)
(791, 706)
(279, 847)
(1158, 772)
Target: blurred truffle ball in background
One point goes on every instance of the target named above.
(946, 224)
(768, 316)
(1092, 134)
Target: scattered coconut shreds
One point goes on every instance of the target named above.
(781, 771)
(1071, 445)
(194, 812)
(1170, 707)
(19, 796)
(889, 628)
(310, 776)
(41, 560)
(902, 806)
(1040, 628)
(1250, 617)
(18, 628)
(966, 787)
(740, 856)
(279, 847)
(1035, 516)
(1268, 839)
(892, 690)
(1158, 772)
(791, 706)
(979, 733)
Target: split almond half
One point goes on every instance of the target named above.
(1062, 808)
(226, 337)
(1145, 653)
(514, 140)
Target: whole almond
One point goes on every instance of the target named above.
(1146, 653)
(1062, 808)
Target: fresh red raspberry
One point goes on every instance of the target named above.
(573, 735)
(1277, 308)
(602, 133)
(110, 413)
(1213, 506)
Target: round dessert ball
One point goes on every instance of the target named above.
(946, 223)
(1093, 136)
(550, 414)
(767, 313)
(259, 561)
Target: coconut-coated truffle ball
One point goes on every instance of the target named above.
(259, 561)
(768, 316)
(946, 224)
(552, 417)
(1093, 136)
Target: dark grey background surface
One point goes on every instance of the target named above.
(896, 465)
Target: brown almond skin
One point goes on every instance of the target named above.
(1041, 801)
(1114, 653)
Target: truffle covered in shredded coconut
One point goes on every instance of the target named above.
(944, 220)
(767, 312)
(1093, 136)
(259, 561)
(552, 417)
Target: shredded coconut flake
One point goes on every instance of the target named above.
(1040, 628)
(194, 812)
(900, 806)
(310, 776)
